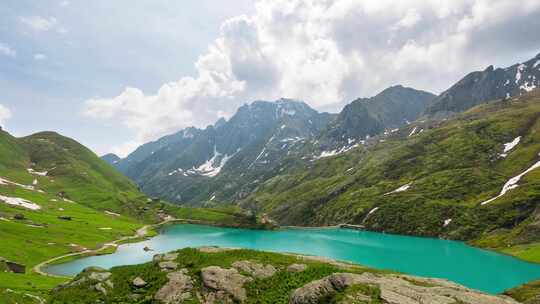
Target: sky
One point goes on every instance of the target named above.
(116, 74)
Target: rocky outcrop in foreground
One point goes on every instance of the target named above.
(216, 275)
(398, 289)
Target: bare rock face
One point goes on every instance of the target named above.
(395, 289)
(256, 270)
(296, 267)
(223, 285)
(139, 282)
(167, 266)
(165, 257)
(177, 289)
(99, 276)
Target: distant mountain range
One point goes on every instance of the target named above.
(228, 160)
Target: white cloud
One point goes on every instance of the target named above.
(39, 57)
(7, 51)
(65, 3)
(124, 149)
(38, 23)
(327, 53)
(411, 18)
(5, 114)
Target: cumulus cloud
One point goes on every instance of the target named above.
(5, 114)
(38, 23)
(328, 53)
(39, 57)
(7, 51)
(124, 149)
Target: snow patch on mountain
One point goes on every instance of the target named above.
(16, 201)
(527, 87)
(335, 152)
(447, 222)
(509, 146)
(413, 131)
(512, 183)
(213, 166)
(520, 69)
(400, 189)
(4, 181)
(32, 171)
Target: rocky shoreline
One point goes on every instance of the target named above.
(225, 275)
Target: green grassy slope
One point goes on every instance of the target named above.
(101, 203)
(452, 166)
(89, 187)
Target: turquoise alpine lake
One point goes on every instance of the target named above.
(475, 268)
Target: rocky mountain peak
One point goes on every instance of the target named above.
(487, 85)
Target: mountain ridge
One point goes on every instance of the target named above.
(259, 139)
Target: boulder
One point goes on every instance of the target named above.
(15, 267)
(166, 266)
(165, 257)
(394, 289)
(256, 270)
(99, 276)
(170, 257)
(138, 282)
(177, 289)
(100, 288)
(223, 285)
(296, 267)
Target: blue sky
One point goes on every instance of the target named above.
(76, 50)
(116, 74)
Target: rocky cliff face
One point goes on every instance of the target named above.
(185, 167)
(214, 275)
(389, 110)
(488, 85)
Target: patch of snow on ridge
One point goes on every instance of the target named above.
(213, 166)
(15, 201)
(400, 189)
(4, 181)
(335, 152)
(537, 63)
(32, 171)
(509, 146)
(512, 183)
(413, 131)
(111, 213)
(179, 170)
(373, 210)
(528, 87)
(518, 73)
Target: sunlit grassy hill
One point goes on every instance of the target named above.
(57, 197)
